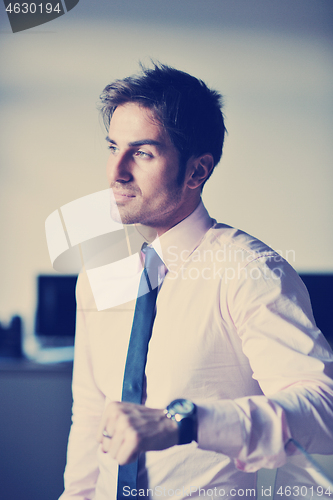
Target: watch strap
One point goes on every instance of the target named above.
(186, 421)
(187, 430)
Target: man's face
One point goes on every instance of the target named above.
(142, 170)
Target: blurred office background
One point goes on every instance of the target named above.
(272, 61)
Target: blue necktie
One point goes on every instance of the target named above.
(134, 374)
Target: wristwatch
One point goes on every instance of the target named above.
(184, 412)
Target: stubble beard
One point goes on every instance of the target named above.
(148, 215)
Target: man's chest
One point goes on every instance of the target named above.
(194, 351)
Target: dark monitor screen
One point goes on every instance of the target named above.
(56, 306)
(320, 288)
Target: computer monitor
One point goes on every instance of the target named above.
(56, 308)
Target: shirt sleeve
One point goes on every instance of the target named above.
(293, 364)
(82, 471)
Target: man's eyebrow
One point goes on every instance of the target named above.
(107, 138)
(141, 142)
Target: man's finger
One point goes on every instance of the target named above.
(127, 450)
(107, 423)
(114, 445)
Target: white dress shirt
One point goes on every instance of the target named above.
(235, 334)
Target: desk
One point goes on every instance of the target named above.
(35, 417)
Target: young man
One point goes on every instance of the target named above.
(236, 368)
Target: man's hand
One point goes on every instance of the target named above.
(134, 428)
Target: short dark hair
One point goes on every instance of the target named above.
(188, 110)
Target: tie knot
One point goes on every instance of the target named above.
(152, 260)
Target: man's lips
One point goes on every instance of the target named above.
(123, 195)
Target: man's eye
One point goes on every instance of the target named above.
(112, 148)
(142, 154)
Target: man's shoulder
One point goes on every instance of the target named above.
(241, 255)
(227, 238)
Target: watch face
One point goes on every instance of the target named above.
(182, 406)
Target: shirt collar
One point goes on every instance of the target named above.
(174, 246)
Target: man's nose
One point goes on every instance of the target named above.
(119, 168)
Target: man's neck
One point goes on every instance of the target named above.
(150, 233)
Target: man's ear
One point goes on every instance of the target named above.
(199, 169)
